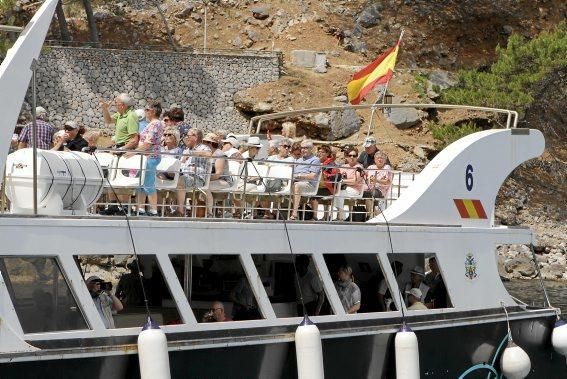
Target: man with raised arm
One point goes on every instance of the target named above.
(124, 120)
(126, 137)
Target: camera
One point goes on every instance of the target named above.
(209, 317)
(106, 286)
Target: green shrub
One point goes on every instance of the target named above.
(510, 81)
(445, 134)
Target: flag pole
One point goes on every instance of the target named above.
(381, 96)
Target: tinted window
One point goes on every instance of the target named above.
(216, 287)
(41, 295)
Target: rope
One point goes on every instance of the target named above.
(272, 198)
(127, 218)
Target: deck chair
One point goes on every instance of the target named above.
(129, 172)
(169, 170)
(107, 161)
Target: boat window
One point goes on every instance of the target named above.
(278, 276)
(368, 276)
(118, 276)
(420, 271)
(41, 295)
(216, 287)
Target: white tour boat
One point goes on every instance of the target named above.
(51, 327)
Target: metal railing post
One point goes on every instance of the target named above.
(34, 133)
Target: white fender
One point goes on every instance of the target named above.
(152, 352)
(309, 351)
(559, 337)
(515, 362)
(407, 354)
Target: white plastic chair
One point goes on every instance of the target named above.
(234, 169)
(283, 172)
(170, 166)
(253, 169)
(107, 162)
(127, 173)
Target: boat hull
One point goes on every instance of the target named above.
(445, 352)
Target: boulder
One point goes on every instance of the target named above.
(405, 118)
(520, 267)
(438, 81)
(553, 272)
(260, 13)
(262, 107)
(340, 125)
(370, 16)
(185, 12)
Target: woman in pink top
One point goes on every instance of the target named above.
(351, 184)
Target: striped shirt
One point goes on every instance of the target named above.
(44, 134)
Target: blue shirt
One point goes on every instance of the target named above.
(142, 125)
(303, 167)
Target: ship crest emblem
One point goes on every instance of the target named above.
(470, 267)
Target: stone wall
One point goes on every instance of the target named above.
(71, 82)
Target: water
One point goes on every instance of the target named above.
(530, 292)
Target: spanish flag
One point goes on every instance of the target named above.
(378, 72)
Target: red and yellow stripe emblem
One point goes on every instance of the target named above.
(470, 208)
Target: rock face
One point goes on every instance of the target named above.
(71, 82)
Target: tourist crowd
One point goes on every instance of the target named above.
(205, 158)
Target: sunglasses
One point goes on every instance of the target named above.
(353, 155)
(168, 135)
(68, 128)
(286, 146)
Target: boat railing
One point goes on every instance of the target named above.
(251, 189)
(511, 116)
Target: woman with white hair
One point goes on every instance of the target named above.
(170, 142)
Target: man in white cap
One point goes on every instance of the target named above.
(230, 147)
(366, 158)
(417, 275)
(414, 296)
(44, 131)
(72, 139)
(254, 145)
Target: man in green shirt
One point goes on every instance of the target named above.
(126, 137)
(125, 121)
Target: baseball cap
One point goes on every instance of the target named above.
(93, 278)
(369, 141)
(233, 141)
(71, 124)
(418, 270)
(415, 292)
